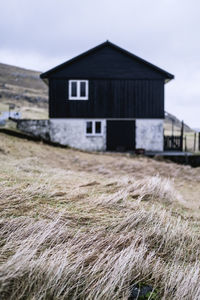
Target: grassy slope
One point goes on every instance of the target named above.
(76, 225)
(25, 89)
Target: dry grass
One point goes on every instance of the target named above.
(76, 225)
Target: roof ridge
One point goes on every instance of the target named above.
(107, 42)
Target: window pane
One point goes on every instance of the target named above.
(89, 127)
(83, 89)
(97, 127)
(74, 89)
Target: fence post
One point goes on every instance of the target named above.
(182, 132)
(172, 127)
(185, 144)
(199, 141)
(195, 141)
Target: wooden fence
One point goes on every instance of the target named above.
(173, 143)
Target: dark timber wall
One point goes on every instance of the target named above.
(120, 86)
(109, 99)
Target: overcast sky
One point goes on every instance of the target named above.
(39, 34)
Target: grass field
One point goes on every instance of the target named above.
(76, 225)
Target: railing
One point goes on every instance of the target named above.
(173, 143)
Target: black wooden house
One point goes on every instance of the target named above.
(107, 99)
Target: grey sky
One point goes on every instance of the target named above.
(39, 34)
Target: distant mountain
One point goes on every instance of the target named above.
(169, 119)
(196, 129)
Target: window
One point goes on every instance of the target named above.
(89, 127)
(78, 89)
(98, 127)
(94, 128)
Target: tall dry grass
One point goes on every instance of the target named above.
(86, 226)
(53, 260)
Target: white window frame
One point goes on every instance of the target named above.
(93, 128)
(78, 82)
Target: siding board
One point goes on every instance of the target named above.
(109, 98)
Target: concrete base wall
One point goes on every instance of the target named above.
(71, 132)
(149, 134)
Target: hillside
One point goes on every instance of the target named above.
(169, 118)
(20, 77)
(76, 225)
(25, 89)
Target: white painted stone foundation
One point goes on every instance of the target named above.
(72, 132)
(149, 134)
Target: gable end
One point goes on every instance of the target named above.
(107, 60)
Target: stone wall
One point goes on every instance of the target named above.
(71, 132)
(68, 132)
(149, 134)
(37, 128)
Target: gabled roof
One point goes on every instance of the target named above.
(165, 74)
